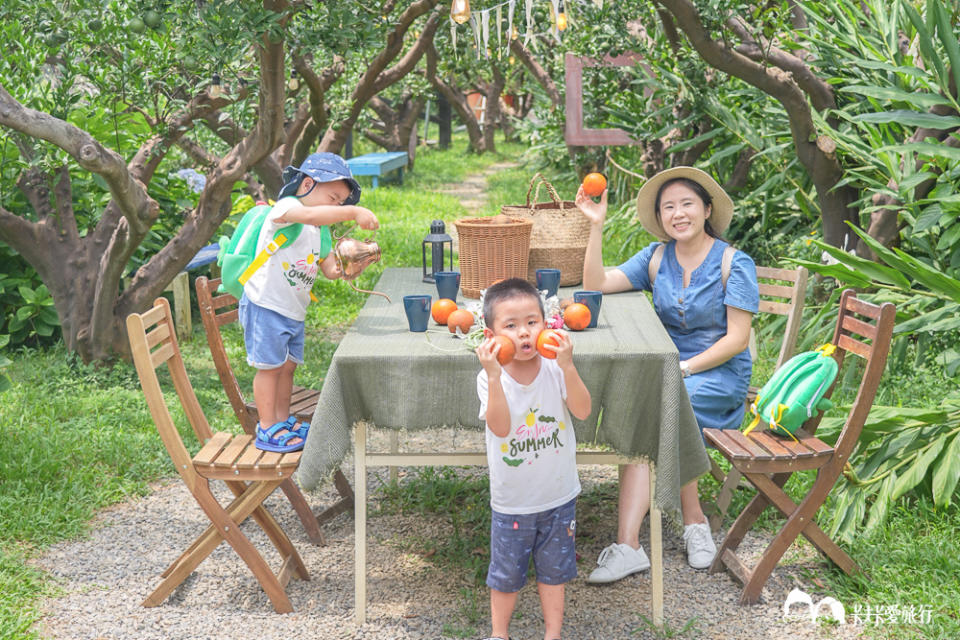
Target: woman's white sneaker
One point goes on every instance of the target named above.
(700, 547)
(618, 561)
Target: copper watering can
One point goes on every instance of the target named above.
(353, 256)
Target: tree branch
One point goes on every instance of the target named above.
(541, 75)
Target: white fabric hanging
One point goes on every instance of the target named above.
(485, 31)
(529, 34)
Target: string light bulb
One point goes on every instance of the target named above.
(215, 90)
(561, 17)
(293, 83)
(460, 11)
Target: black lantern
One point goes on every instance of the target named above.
(436, 239)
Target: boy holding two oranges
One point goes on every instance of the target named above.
(526, 402)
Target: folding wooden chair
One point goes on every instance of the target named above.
(778, 299)
(218, 310)
(767, 461)
(251, 475)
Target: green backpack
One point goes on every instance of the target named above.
(238, 258)
(795, 392)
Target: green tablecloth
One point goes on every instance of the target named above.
(396, 379)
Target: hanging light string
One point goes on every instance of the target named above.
(479, 22)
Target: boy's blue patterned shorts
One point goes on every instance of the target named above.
(270, 338)
(548, 536)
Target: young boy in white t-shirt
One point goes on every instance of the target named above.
(275, 298)
(531, 453)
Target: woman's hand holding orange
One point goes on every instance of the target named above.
(596, 212)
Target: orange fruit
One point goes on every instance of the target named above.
(442, 309)
(594, 184)
(576, 316)
(547, 337)
(507, 350)
(460, 318)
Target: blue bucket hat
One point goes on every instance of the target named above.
(321, 167)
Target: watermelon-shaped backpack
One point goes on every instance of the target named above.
(795, 392)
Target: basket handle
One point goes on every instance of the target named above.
(543, 181)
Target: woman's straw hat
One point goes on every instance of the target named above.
(721, 207)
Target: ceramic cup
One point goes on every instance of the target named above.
(592, 299)
(448, 283)
(548, 279)
(417, 308)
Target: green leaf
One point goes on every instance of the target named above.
(930, 277)
(924, 148)
(879, 508)
(929, 217)
(943, 319)
(946, 473)
(925, 40)
(838, 271)
(868, 267)
(916, 472)
(909, 118)
(918, 99)
(28, 294)
(947, 37)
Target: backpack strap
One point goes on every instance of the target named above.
(725, 261)
(284, 236)
(654, 266)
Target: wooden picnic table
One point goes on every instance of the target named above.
(385, 375)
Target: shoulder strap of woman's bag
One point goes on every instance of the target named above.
(725, 261)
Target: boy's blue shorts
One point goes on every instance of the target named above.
(270, 338)
(548, 536)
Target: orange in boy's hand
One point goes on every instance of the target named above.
(460, 318)
(547, 337)
(507, 350)
(594, 184)
(576, 316)
(442, 309)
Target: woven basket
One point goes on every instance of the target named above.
(491, 248)
(559, 236)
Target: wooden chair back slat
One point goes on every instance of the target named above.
(852, 345)
(777, 308)
(161, 355)
(859, 327)
(788, 275)
(775, 290)
(227, 317)
(152, 316)
(862, 307)
(157, 335)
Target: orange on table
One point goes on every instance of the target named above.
(442, 309)
(507, 350)
(547, 337)
(460, 318)
(594, 184)
(576, 316)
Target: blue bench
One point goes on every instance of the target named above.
(378, 164)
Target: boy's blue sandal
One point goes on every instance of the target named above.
(268, 440)
(302, 431)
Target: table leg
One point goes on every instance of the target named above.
(376, 182)
(394, 449)
(656, 552)
(360, 522)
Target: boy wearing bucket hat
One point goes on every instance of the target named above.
(274, 303)
(705, 294)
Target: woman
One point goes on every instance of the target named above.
(707, 315)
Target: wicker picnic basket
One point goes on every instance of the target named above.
(559, 236)
(491, 248)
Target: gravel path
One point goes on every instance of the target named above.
(103, 580)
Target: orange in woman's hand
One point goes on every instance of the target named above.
(576, 316)
(507, 350)
(594, 184)
(460, 318)
(442, 309)
(547, 337)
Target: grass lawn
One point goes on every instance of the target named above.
(78, 438)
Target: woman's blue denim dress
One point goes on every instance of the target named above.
(696, 317)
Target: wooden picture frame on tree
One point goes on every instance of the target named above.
(575, 133)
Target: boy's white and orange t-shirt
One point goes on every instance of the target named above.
(283, 284)
(534, 468)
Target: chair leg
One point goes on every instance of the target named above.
(299, 503)
(738, 530)
(724, 498)
(344, 504)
